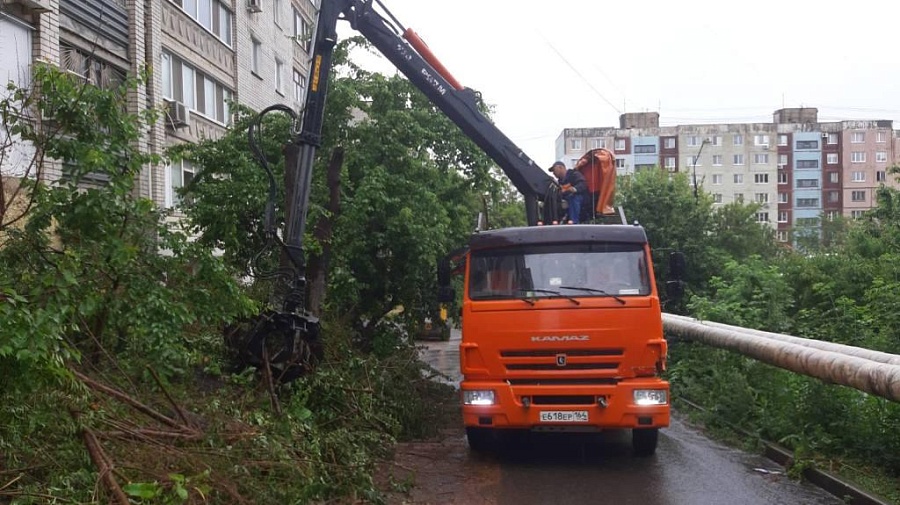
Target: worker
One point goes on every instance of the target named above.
(573, 188)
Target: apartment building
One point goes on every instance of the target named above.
(204, 54)
(798, 169)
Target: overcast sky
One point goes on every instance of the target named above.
(550, 65)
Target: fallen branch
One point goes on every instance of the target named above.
(270, 384)
(178, 409)
(147, 433)
(115, 393)
(104, 466)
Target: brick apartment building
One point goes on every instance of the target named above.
(799, 169)
(203, 53)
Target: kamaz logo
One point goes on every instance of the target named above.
(561, 338)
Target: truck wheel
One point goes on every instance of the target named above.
(643, 441)
(480, 439)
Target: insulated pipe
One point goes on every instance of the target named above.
(849, 350)
(879, 379)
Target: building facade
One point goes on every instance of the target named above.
(203, 56)
(799, 170)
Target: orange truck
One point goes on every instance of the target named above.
(562, 331)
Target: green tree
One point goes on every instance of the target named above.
(409, 193)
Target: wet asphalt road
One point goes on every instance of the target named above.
(688, 468)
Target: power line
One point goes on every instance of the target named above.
(579, 74)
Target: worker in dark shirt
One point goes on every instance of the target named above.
(573, 188)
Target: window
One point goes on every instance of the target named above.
(859, 177)
(783, 216)
(831, 215)
(881, 157)
(881, 137)
(761, 197)
(717, 179)
(738, 159)
(717, 160)
(857, 214)
(782, 178)
(858, 196)
(254, 55)
(692, 161)
(782, 140)
(670, 143)
(738, 178)
(276, 11)
(761, 140)
(195, 90)
(620, 144)
(279, 80)
(575, 144)
(807, 163)
(833, 138)
(716, 140)
(179, 175)
(645, 149)
(834, 196)
(302, 31)
(598, 144)
(693, 141)
(807, 222)
(738, 140)
(834, 177)
(211, 15)
(831, 158)
(760, 159)
(717, 197)
(880, 176)
(670, 162)
(807, 183)
(782, 198)
(858, 157)
(299, 86)
(224, 31)
(739, 198)
(782, 160)
(781, 235)
(620, 163)
(857, 137)
(807, 202)
(760, 178)
(807, 144)
(762, 217)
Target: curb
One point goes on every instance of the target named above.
(819, 478)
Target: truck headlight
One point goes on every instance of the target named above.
(478, 397)
(651, 397)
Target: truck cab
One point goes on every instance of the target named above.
(562, 331)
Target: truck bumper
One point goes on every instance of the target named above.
(564, 408)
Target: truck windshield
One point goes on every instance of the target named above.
(559, 271)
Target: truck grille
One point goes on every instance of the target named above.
(543, 360)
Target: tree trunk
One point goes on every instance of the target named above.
(318, 264)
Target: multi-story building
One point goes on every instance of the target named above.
(204, 54)
(798, 169)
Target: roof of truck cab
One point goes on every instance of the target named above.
(531, 235)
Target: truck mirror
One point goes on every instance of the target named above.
(677, 265)
(675, 290)
(446, 294)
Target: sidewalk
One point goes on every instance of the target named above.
(443, 356)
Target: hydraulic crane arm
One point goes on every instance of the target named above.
(410, 55)
(293, 332)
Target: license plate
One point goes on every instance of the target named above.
(564, 416)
